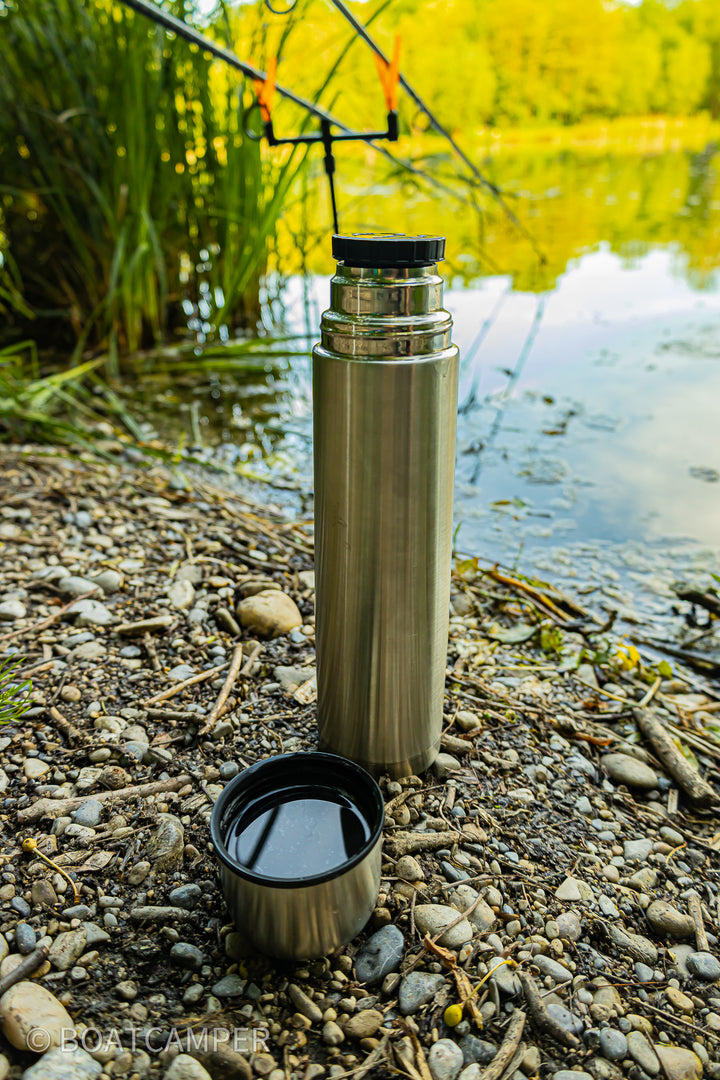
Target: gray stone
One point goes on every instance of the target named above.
(25, 939)
(90, 650)
(547, 966)
(445, 1060)
(229, 986)
(679, 955)
(432, 918)
(569, 926)
(380, 955)
(88, 813)
(181, 595)
(637, 850)
(290, 678)
(628, 770)
(181, 672)
(11, 610)
(482, 916)
(108, 580)
(613, 1044)
(571, 1074)
(444, 765)
(76, 586)
(644, 973)
(705, 966)
(95, 935)
(90, 613)
(417, 989)
(228, 769)
(642, 1053)
(567, 1020)
(635, 945)
(186, 896)
(477, 1051)
(62, 1064)
(185, 1067)
(185, 955)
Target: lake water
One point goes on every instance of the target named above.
(589, 421)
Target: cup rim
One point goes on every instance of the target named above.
(354, 774)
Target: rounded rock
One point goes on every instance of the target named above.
(703, 965)
(667, 921)
(27, 1008)
(417, 989)
(269, 613)
(613, 1044)
(432, 918)
(628, 770)
(445, 1060)
(380, 955)
(678, 1063)
(185, 1067)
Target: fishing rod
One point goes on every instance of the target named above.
(495, 191)
(262, 78)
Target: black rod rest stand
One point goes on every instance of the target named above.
(326, 137)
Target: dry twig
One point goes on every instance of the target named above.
(508, 1047)
(227, 686)
(203, 676)
(56, 807)
(685, 774)
(25, 969)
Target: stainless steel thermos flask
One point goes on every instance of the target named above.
(385, 405)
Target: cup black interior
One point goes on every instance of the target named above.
(288, 772)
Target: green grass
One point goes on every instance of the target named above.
(130, 198)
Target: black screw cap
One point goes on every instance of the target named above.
(387, 249)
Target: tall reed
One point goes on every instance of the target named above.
(131, 199)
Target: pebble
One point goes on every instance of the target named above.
(667, 921)
(637, 850)
(613, 1044)
(186, 896)
(705, 966)
(88, 813)
(624, 769)
(642, 1053)
(679, 1001)
(185, 955)
(482, 916)
(445, 764)
(567, 1020)
(569, 926)
(166, 846)
(364, 1024)
(381, 954)
(64, 1064)
(269, 613)
(25, 939)
(26, 1006)
(11, 610)
(432, 918)
(108, 580)
(181, 595)
(67, 947)
(571, 1074)
(445, 1060)
(678, 1063)
(34, 768)
(185, 1067)
(417, 989)
(305, 1004)
(572, 889)
(181, 672)
(477, 1051)
(76, 586)
(332, 1034)
(229, 986)
(90, 613)
(409, 869)
(547, 966)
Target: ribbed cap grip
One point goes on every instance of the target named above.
(387, 249)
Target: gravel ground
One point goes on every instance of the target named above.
(549, 902)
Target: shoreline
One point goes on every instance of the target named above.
(550, 809)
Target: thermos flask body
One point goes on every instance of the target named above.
(385, 404)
